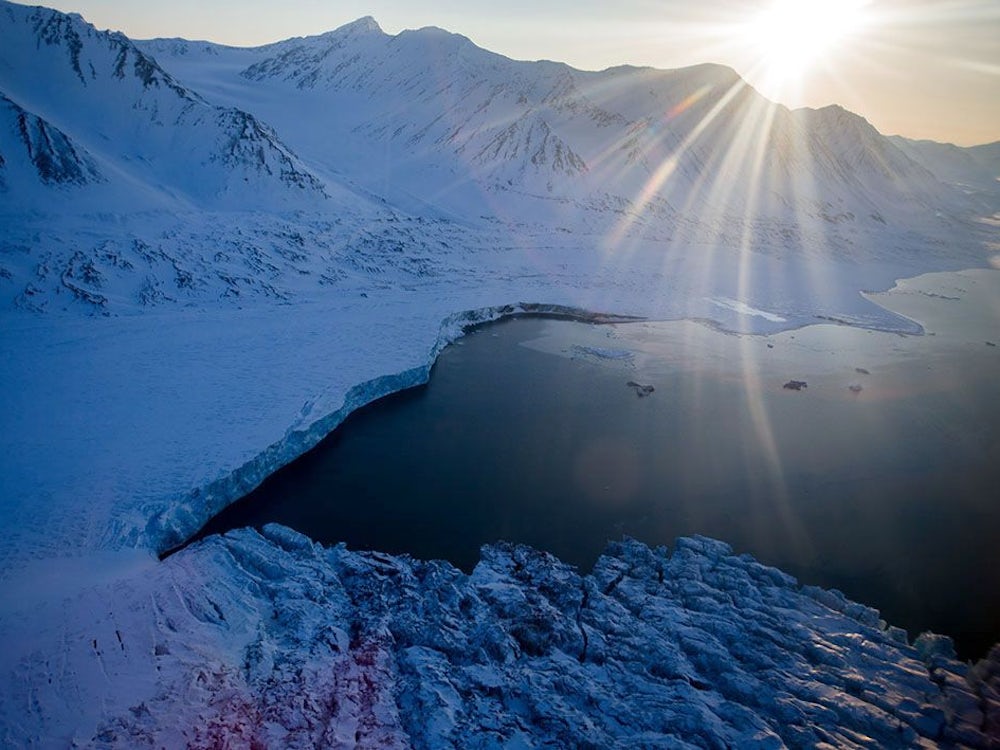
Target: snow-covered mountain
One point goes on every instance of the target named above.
(340, 141)
(41, 152)
(973, 170)
(89, 108)
(427, 117)
(422, 130)
(439, 111)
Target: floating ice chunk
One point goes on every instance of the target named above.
(742, 308)
(604, 353)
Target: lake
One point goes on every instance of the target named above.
(878, 477)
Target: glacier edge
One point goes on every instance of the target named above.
(169, 529)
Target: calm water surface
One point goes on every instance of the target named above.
(529, 432)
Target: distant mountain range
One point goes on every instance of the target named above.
(425, 125)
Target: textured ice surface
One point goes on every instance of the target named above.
(603, 352)
(267, 640)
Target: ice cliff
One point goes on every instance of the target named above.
(316, 647)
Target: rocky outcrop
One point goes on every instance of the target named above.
(640, 390)
(56, 159)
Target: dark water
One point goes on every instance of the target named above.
(893, 501)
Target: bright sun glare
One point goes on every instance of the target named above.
(793, 35)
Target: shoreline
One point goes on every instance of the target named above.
(300, 437)
(830, 381)
(126, 593)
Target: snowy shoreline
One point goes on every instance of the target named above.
(170, 530)
(325, 403)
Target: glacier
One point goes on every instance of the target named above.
(210, 256)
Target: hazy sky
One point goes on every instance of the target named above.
(919, 68)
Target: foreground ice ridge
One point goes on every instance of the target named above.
(694, 648)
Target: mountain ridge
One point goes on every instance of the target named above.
(476, 98)
(424, 129)
(509, 127)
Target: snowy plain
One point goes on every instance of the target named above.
(199, 281)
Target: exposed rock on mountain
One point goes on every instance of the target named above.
(55, 158)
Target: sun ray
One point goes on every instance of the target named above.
(669, 165)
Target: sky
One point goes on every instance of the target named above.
(925, 69)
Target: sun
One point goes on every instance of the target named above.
(791, 36)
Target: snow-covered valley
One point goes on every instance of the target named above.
(210, 256)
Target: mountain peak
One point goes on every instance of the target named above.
(364, 25)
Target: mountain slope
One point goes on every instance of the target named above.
(454, 118)
(38, 151)
(142, 126)
(989, 155)
(975, 169)
(356, 155)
